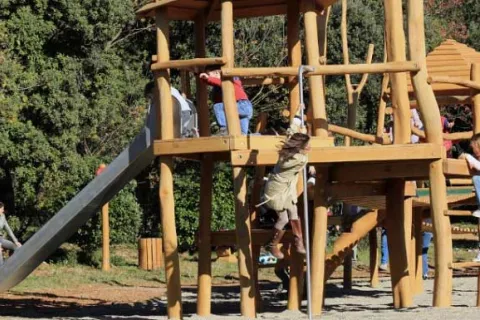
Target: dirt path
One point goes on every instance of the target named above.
(135, 303)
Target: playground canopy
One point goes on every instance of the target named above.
(189, 9)
(453, 60)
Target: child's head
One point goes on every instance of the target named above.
(475, 144)
(2, 208)
(148, 91)
(213, 72)
(297, 143)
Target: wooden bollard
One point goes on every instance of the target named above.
(150, 253)
(105, 230)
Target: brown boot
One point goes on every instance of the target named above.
(298, 236)
(272, 247)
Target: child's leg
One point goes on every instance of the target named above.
(476, 186)
(426, 239)
(245, 113)
(277, 235)
(384, 248)
(219, 111)
(296, 229)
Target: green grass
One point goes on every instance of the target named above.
(64, 275)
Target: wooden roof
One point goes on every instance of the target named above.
(189, 9)
(451, 59)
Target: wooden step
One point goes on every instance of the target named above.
(463, 265)
(458, 213)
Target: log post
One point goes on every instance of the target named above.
(255, 198)
(172, 264)
(374, 264)
(430, 113)
(295, 292)
(410, 240)
(242, 215)
(320, 127)
(206, 177)
(395, 222)
(398, 220)
(229, 100)
(105, 230)
(294, 52)
(475, 77)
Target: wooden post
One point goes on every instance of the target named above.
(319, 240)
(347, 264)
(409, 240)
(229, 100)
(206, 176)
(374, 264)
(396, 221)
(418, 218)
(105, 230)
(319, 121)
(382, 106)
(142, 253)
(475, 77)
(395, 40)
(399, 224)
(294, 52)
(430, 113)
(317, 96)
(172, 264)
(295, 292)
(242, 216)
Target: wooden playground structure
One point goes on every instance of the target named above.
(376, 176)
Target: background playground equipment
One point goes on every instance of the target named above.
(150, 253)
(342, 172)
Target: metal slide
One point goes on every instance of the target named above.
(137, 156)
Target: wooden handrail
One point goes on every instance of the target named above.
(358, 135)
(185, 64)
(454, 80)
(388, 67)
(446, 136)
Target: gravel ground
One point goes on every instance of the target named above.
(362, 302)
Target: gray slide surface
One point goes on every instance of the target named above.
(137, 156)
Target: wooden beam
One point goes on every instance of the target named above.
(446, 136)
(390, 67)
(458, 213)
(339, 190)
(454, 80)
(250, 82)
(329, 155)
(193, 145)
(456, 168)
(188, 64)
(384, 139)
(463, 265)
(349, 172)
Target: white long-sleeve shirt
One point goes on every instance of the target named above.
(474, 163)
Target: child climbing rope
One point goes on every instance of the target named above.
(245, 108)
(280, 192)
(4, 243)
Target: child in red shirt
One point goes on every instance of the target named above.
(245, 108)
